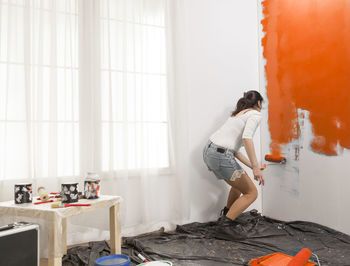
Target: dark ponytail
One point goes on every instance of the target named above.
(250, 99)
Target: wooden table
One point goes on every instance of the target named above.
(56, 219)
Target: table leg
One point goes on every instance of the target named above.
(114, 229)
(55, 256)
(64, 235)
(55, 262)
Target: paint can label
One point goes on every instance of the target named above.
(23, 193)
(92, 188)
(69, 192)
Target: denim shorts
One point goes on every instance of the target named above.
(223, 164)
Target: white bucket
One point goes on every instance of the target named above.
(157, 263)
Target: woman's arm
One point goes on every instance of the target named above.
(240, 156)
(243, 159)
(249, 147)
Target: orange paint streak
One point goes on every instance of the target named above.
(307, 51)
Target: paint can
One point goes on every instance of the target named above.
(157, 263)
(23, 193)
(113, 260)
(69, 192)
(92, 186)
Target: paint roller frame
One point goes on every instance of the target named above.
(275, 159)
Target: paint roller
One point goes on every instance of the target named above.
(274, 159)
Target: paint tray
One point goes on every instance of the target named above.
(275, 259)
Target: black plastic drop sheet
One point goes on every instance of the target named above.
(224, 242)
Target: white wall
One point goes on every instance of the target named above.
(313, 188)
(216, 55)
(310, 187)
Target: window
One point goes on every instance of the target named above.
(41, 99)
(39, 107)
(133, 85)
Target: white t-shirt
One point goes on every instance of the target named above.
(236, 128)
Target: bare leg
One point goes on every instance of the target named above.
(232, 196)
(249, 191)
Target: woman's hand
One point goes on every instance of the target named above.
(249, 147)
(257, 171)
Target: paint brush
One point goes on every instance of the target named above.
(41, 202)
(47, 201)
(65, 205)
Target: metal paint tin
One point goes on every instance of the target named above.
(23, 193)
(69, 192)
(92, 186)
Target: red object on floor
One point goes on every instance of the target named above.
(301, 258)
(280, 259)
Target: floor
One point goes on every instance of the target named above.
(224, 242)
(44, 262)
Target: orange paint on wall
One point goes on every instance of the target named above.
(307, 51)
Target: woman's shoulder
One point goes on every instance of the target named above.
(253, 115)
(253, 112)
(256, 112)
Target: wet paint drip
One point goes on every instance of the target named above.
(307, 51)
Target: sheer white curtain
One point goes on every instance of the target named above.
(39, 105)
(133, 85)
(131, 135)
(85, 86)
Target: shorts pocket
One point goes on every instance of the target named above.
(229, 160)
(213, 163)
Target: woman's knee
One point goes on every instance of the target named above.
(245, 186)
(252, 193)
